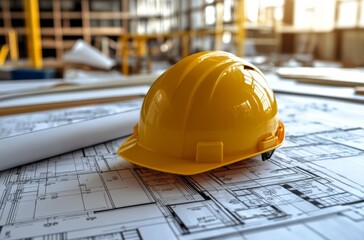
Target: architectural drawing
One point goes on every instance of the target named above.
(25, 123)
(312, 187)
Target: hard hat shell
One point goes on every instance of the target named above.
(208, 110)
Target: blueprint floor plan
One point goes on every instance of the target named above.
(26, 123)
(312, 188)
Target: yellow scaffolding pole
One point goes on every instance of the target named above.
(31, 12)
(219, 26)
(3, 54)
(240, 28)
(186, 45)
(13, 45)
(125, 55)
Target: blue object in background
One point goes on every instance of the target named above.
(26, 73)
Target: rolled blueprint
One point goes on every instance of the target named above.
(34, 146)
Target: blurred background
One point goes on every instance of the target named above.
(143, 36)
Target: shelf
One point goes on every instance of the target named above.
(110, 31)
(136, 19)
(50, 15)
(19, 31)
(109, 15)
(51, 44)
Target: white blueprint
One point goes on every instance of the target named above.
(312, 188)
(26, 123)
(35, 136)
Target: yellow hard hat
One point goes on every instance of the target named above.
(209, 110)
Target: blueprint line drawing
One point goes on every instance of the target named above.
(313, 187)
(25, 123)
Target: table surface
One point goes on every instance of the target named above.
(313, 186)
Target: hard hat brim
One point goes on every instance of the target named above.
(131, 151)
